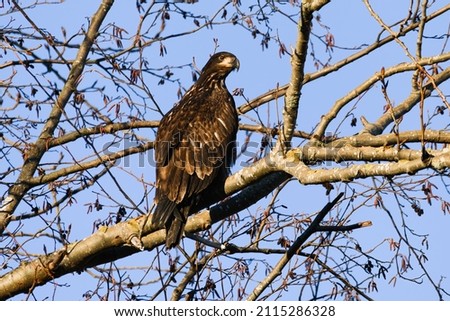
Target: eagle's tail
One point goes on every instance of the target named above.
(173, 217)
(174, 229)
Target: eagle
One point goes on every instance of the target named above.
(194, 148)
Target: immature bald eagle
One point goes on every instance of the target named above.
(194, 147)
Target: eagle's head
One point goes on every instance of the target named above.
(221, 64)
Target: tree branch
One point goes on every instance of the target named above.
(439, 161)
(405, 106)
(38, 149)
(343, 228)
(281, 90)
(293, 92)
(293, 249)
(122, 240)
(103, 159)
(112, 243)
(366, 85)
(102, 129)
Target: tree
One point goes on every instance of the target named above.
(365, 147)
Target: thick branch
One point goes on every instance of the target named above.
(293, 92)
(411, 136)
(122, 240)
(307, 176)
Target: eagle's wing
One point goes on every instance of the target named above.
(191, 150)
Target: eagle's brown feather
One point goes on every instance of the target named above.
(194, 147)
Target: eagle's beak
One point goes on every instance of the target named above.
(237, 64)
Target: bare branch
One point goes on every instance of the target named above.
(404, 107)
(293, 92)
(18, 190)
(293, 249)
